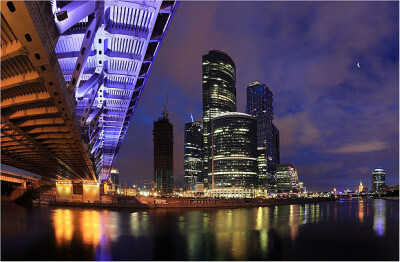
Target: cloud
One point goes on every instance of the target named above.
(360, 147)
(314, 170)
(296, 130)
(306, 52)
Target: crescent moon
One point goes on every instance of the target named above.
(358, 65)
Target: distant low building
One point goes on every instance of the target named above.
(302, 187)
(130, 192)
(393, 188)
(286, 178)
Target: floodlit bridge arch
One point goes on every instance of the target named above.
(72, 75)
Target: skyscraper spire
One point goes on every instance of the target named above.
(164, 112)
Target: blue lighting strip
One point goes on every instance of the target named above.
(106, 52)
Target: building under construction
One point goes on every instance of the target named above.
(163, 137)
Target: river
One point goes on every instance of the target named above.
(333, 230)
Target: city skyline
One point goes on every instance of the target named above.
(330, 58)
(152, 130)
(308, 56)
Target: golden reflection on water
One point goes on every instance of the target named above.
(90, 227)
(264, 240)
(232, 233)
(294, 221)
(361, 210)
(63, 226)
(260, 216)
(238, 230)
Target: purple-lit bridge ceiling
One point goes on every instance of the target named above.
(105, 50)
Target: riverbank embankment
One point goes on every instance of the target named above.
(181, 202)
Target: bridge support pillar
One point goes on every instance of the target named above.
(81, 192)
(64, 191)
(91, 192)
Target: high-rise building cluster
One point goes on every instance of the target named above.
(236, 151)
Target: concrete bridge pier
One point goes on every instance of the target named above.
(81, 192)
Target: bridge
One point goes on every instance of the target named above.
(15, 185)
(72, 75)
(12, 177)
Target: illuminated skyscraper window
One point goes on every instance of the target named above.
(378, 180)
(259, 105)
(235, 151)
(286, 178)
(219, 95)
(193, 152)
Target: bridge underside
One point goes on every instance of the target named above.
(38, 131)
(72, 74)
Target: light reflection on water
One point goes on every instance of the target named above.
(63, 226)
(99, 227)
(223, 234)
(380, 217)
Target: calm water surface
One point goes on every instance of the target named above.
(340, 230)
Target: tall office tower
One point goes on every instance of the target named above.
(234, 140)
(219, 96)
(259, 105)
(262, 172)
(276, 149)
(286, 178)
(193, 152)
(378, 180)
(163, 137)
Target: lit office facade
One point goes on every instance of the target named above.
(259, 105)
(114, 176)
(163, 138)
(235, 151)
(378, 180)
(286, 178)
(264, 178)
(193, 152)
(219, 96)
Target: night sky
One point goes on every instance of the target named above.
(337, 122)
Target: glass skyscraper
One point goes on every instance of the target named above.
(219, 96)
(235, 151)
(276, 148)
(378, 180)
(163, 137)
(259, 105)
(263, 174)
(193, 152)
